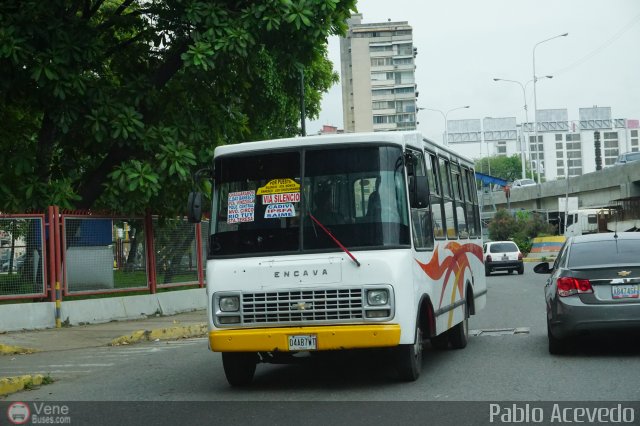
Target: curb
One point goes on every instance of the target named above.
(16, 384)
(170, 333)
(15, 350)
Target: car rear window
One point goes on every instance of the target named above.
(503, 247)
(600, 253)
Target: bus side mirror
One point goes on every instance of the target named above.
(194, 207)
(419, 192)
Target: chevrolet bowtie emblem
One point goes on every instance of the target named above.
(300, 306)
(624, 273)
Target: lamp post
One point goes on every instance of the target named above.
(445, 115)
(523, 143)
(535, 101)
(483, 140)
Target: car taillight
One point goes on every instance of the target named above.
(568, 286)
(488, 258)
(519, 256)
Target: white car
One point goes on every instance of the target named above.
(518, 183)
(502, 256)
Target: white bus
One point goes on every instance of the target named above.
(325, 243)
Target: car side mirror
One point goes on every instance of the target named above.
(542, 268)
(194, 207)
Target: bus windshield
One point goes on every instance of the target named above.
(262, 201)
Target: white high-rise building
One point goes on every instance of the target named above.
(378, 76)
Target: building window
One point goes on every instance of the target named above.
(406, 106)
(611, 149)
(387, 48)
(400, 90)
(404, 77)
(383, 119)
(402, 61)
(558, 136)
(501, 147)
(381, 92)
(405, 49)
(381, 62)
(382, 105)
(635, 146)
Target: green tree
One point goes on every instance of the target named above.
(112, 104)
(502, 226)
(521, 227)
(507, 168)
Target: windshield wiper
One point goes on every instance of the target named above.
(335, 240)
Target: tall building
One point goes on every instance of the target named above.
(378, 76)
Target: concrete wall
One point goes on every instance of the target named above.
(30, 316)
(594, 189)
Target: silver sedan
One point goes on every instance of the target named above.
(594, 286)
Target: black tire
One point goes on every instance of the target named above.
(521, 270)
(239, 367)
(511, 271)
(487, 271)
(440, 342)
(409, 358)
(556, 346)
(459, 334)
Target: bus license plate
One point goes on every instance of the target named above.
(303, 342)
(625, 291)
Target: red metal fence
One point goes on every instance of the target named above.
(55, 255)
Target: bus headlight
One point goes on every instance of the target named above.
(378, 297)
(229, 303)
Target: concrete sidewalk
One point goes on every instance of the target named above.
(188, 324)
(20, 343)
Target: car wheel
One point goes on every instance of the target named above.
(409, 358)
(487, 271)
(239, 367)
(511, 271)
(521, 270)
(459, 334)
(556, 346)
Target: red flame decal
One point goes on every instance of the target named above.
(456, 263)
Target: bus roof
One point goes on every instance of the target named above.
(402, 138)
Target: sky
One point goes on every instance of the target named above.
(464, 44)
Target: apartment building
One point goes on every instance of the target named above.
(378, 76)
(563, 146)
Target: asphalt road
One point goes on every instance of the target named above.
(506, 360)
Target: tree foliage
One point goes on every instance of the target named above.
(521, 227)
(113, 104)
(507, 168)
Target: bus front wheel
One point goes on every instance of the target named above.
(409, 358)
(239, 367)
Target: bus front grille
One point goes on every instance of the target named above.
(344, 304)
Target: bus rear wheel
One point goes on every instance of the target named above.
(459, 334)
(239, 367)
(409, 358)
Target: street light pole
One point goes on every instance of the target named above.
(523, 143)
(445, 115)
(535, 102)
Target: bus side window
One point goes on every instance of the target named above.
(469, 191)
(448, 201)
(436, 197)
(459, 197)
(421, 217)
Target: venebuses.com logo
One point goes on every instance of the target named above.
(18, 413)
